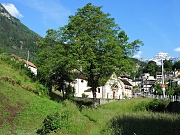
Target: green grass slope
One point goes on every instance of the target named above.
(22, 111)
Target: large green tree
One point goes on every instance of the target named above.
(95, 46)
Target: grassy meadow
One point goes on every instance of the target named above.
(23, 110)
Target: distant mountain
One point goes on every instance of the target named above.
(159, 57)
(143, 59)
(15, 37)
(174, 59)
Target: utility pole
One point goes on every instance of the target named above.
(163, 85)
(27, 59)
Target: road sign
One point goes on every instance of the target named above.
(163, 86)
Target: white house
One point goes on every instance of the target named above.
(112, 89)
(31, 66)
(81, 85)
(127, 87)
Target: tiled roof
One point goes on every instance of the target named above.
(126, 82)
(21, 59)
(29, 63)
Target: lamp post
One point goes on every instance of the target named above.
(163, 85)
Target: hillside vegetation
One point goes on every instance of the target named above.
(24, 106)
(15, 37)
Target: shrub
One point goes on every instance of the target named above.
(1, 50)
(41, 90)
(50, 123)
(84, 95)
(19, 82)
(157, 105)
(84, 102)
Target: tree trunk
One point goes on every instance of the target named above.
(94, 98)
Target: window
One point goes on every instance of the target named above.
(98, 90)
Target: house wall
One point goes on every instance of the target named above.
(127, 88)
(127, 93)
(176, 73)
(108, 91)
(104, 92)
(80, 86)
(136, 83)
(33, 70)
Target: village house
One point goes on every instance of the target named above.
(177, 73)
(137, 85)
(148, 83)
(127, 87)
(112, 89)
(28, 64)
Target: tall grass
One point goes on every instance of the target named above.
(128, 117)
(145, 124)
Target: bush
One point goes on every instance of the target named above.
(41, 90)
(50, 123)
(157, 105)
(84, 95)
(1, 50)
(84, 102)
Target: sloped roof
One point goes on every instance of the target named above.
(126, 82)
(88, 90)
(21, 59)
(29, 63)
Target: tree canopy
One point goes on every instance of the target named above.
(91, 44)
(168, 65)
(152, 68)
(176, 65)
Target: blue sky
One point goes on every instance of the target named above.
(155, 22)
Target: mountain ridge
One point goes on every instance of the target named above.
(16, 38)
(159, 57)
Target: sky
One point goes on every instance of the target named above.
(155, 22)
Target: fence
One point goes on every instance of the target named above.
(172, 98)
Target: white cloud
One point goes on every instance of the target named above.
(177, 49)
(138, 55)
(12, 10)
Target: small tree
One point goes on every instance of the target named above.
(158, 89)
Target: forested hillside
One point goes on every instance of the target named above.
(15, 37)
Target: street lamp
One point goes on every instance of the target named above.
(163, 85)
